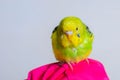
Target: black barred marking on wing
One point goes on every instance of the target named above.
(55, 29)
(87, 28)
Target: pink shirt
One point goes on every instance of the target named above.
(83, 70)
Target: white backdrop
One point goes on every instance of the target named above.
(26, 27)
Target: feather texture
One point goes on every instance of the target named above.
(72, 40)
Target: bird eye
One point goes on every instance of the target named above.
(76, 28)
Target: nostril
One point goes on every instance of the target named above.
(69, 32)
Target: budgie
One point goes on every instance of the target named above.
(72, 40)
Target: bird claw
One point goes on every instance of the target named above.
(87, 60)
(70, 65)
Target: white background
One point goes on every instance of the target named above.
(26, 27)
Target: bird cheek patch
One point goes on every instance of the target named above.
(78, 35)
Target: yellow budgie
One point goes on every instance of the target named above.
(71, 40)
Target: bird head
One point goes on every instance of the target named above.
(71, 31)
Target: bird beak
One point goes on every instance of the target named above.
(69, 32)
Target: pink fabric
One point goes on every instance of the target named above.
(93, 70)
